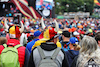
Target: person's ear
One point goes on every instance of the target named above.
(98, 41)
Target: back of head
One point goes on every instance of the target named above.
(75, 33)
(66, 34)
(97, 37)
(74, 41)
(37, 33)
(49, 32)
(15, 31)
(88, 52)
(3, 40)
(88, 45)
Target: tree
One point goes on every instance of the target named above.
(89, 5)
(74, 6)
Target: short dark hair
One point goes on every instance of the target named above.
(3, 40)
(66, 34)
(97, 36)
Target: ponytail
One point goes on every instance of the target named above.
(77, 47)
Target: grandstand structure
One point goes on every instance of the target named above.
(18, 6)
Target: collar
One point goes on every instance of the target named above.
(48, 46)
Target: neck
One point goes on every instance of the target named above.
(65, 39)
(71, 47)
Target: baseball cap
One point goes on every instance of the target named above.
(75, 33)
(37, 33)
(73, 40)
(66, 33)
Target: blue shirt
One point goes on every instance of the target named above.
(65, 43)
(30, 44)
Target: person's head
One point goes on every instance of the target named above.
(36, 34)
(97, 37)
(15, 31)
(75, 34)
(3, 40)
(55, 38)
(66, 34)
(49, 33)
(74, 43)
(88, 45)
(89, 32)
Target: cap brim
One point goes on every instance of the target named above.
(75, 43)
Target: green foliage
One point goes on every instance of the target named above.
(89, 5)
(74, 6)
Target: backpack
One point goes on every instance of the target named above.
(48, 61)
(91, 63)
(9, 56)
(66, 46)
(88, 62)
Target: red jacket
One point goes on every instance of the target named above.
(21, 50)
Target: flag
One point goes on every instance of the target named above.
(28, 11)
(97, 2)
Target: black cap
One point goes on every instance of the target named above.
(66, 34)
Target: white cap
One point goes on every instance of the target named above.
(75, 33)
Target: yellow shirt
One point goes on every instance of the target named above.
(37, 43)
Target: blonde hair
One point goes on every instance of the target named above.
(77, 47)
(88, 50)
(88, 45)
(3, 40)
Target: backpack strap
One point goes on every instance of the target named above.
(56, 52)
(41, 52)
(17, 46)
(5, 45)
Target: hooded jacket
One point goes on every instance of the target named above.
(38, 43)
(71, 54)
(48, 49)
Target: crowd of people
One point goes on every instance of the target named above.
(51, 42)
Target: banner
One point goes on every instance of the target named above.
(28, 11)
